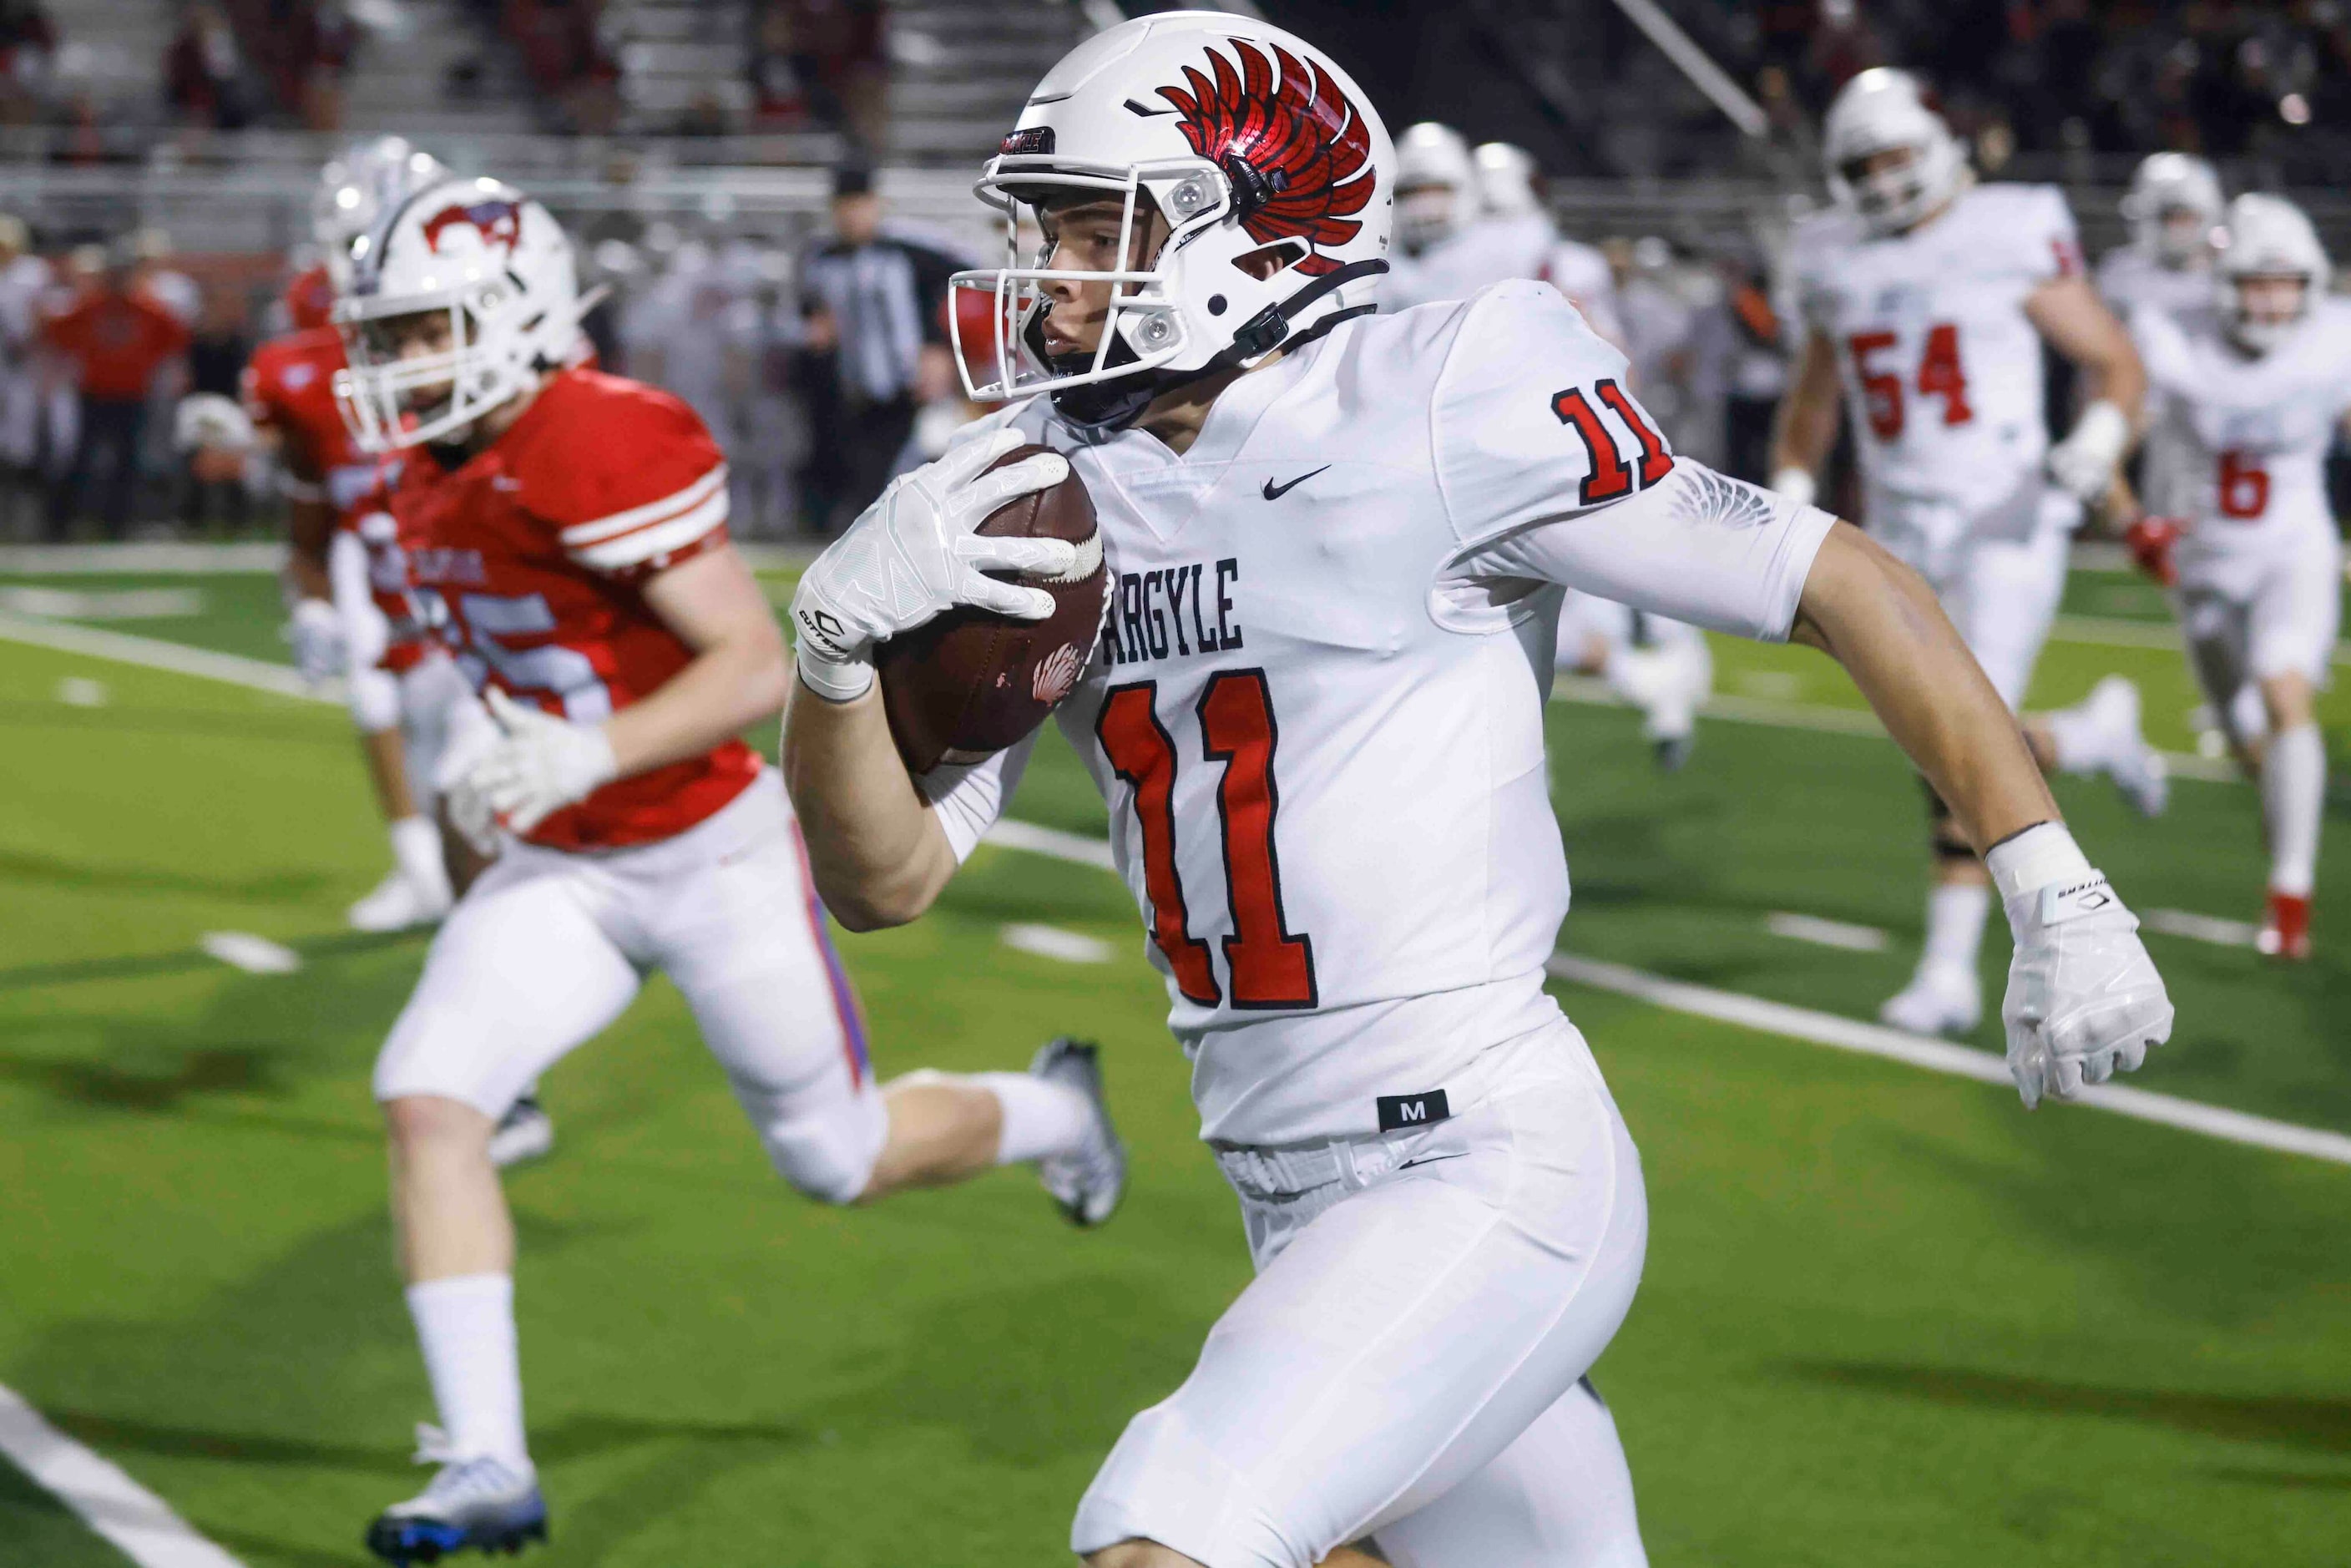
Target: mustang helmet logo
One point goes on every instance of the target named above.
(1297, 152)
(498, 224)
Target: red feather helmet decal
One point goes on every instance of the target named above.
(1298, 153)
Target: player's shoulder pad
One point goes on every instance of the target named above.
(2032, 224)
(1502, 446)
(626, 473)
(1510, 329)
(1818, 236)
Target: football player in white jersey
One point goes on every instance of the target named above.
(2247, 392)
(1316, 715)
(2174, 208)
(1930, 296)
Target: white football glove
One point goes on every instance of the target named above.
(916, 553)
(2085, 462)
(539, 764)
(316, 631)
(2083, 1000)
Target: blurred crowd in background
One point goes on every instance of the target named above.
(817, 347)
(236, 64)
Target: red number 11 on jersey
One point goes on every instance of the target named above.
(1270, 966)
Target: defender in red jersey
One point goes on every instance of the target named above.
(347, 578)
(569, 530)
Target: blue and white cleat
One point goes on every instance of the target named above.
(479, 1504)
(1089, 1183)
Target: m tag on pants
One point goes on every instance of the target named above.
(1398, 1112)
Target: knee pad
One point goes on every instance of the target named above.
(374, 698)
(827, 1152)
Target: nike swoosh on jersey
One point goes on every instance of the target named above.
(1274, 492)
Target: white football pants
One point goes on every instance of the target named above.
(2003, 595)
(548, 948)
(2249, 617)
(1408, 1363)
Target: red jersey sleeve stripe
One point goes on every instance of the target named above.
(661, 538)
(693, 495)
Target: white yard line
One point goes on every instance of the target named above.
(2202, 928)
(1829, 1030)
(2113, 631)
(159, 560)
(118, 604)
(1054, 942)
(1079, 849)
(253, 955)
(135, 1520)
(1824, 932)
(1941, 1056)
(1830, 719)
(156, 654)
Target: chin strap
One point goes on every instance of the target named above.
(1114, 405)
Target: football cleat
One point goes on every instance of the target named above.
(397, 903)
(478, 1504)
(2137, 769)
(525, 1133)
(1089, 1183)
(2286, 931)
(1939, 999)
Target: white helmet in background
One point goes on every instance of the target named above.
(1879, 111)
(2267, 237)
(1436, 185)
(2173, 205)
(1507, 176)
(1268, 166)
(355, 190)
(498, 266)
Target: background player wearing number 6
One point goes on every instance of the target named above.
(2249, 389)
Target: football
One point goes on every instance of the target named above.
(971, 682)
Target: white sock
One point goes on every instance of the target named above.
(1955, 924)
(416, 851)
(466, 1327)
(2294, 802)
(1040, 1118)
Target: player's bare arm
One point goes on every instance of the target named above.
(739, 675)
(2071, 318)
(1805, 425)
(876, 847)
(878, 854)
(2083, 1000)
(1879, 619)
(308, 525)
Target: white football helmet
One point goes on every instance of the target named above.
(355, 189)
(2268, 237)
(498, 266)
(1505, 180)
(1265, 161)
(1436, 185)
(1884, 111)
(2174, 206)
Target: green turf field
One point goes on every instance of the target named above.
(1888, 1318)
